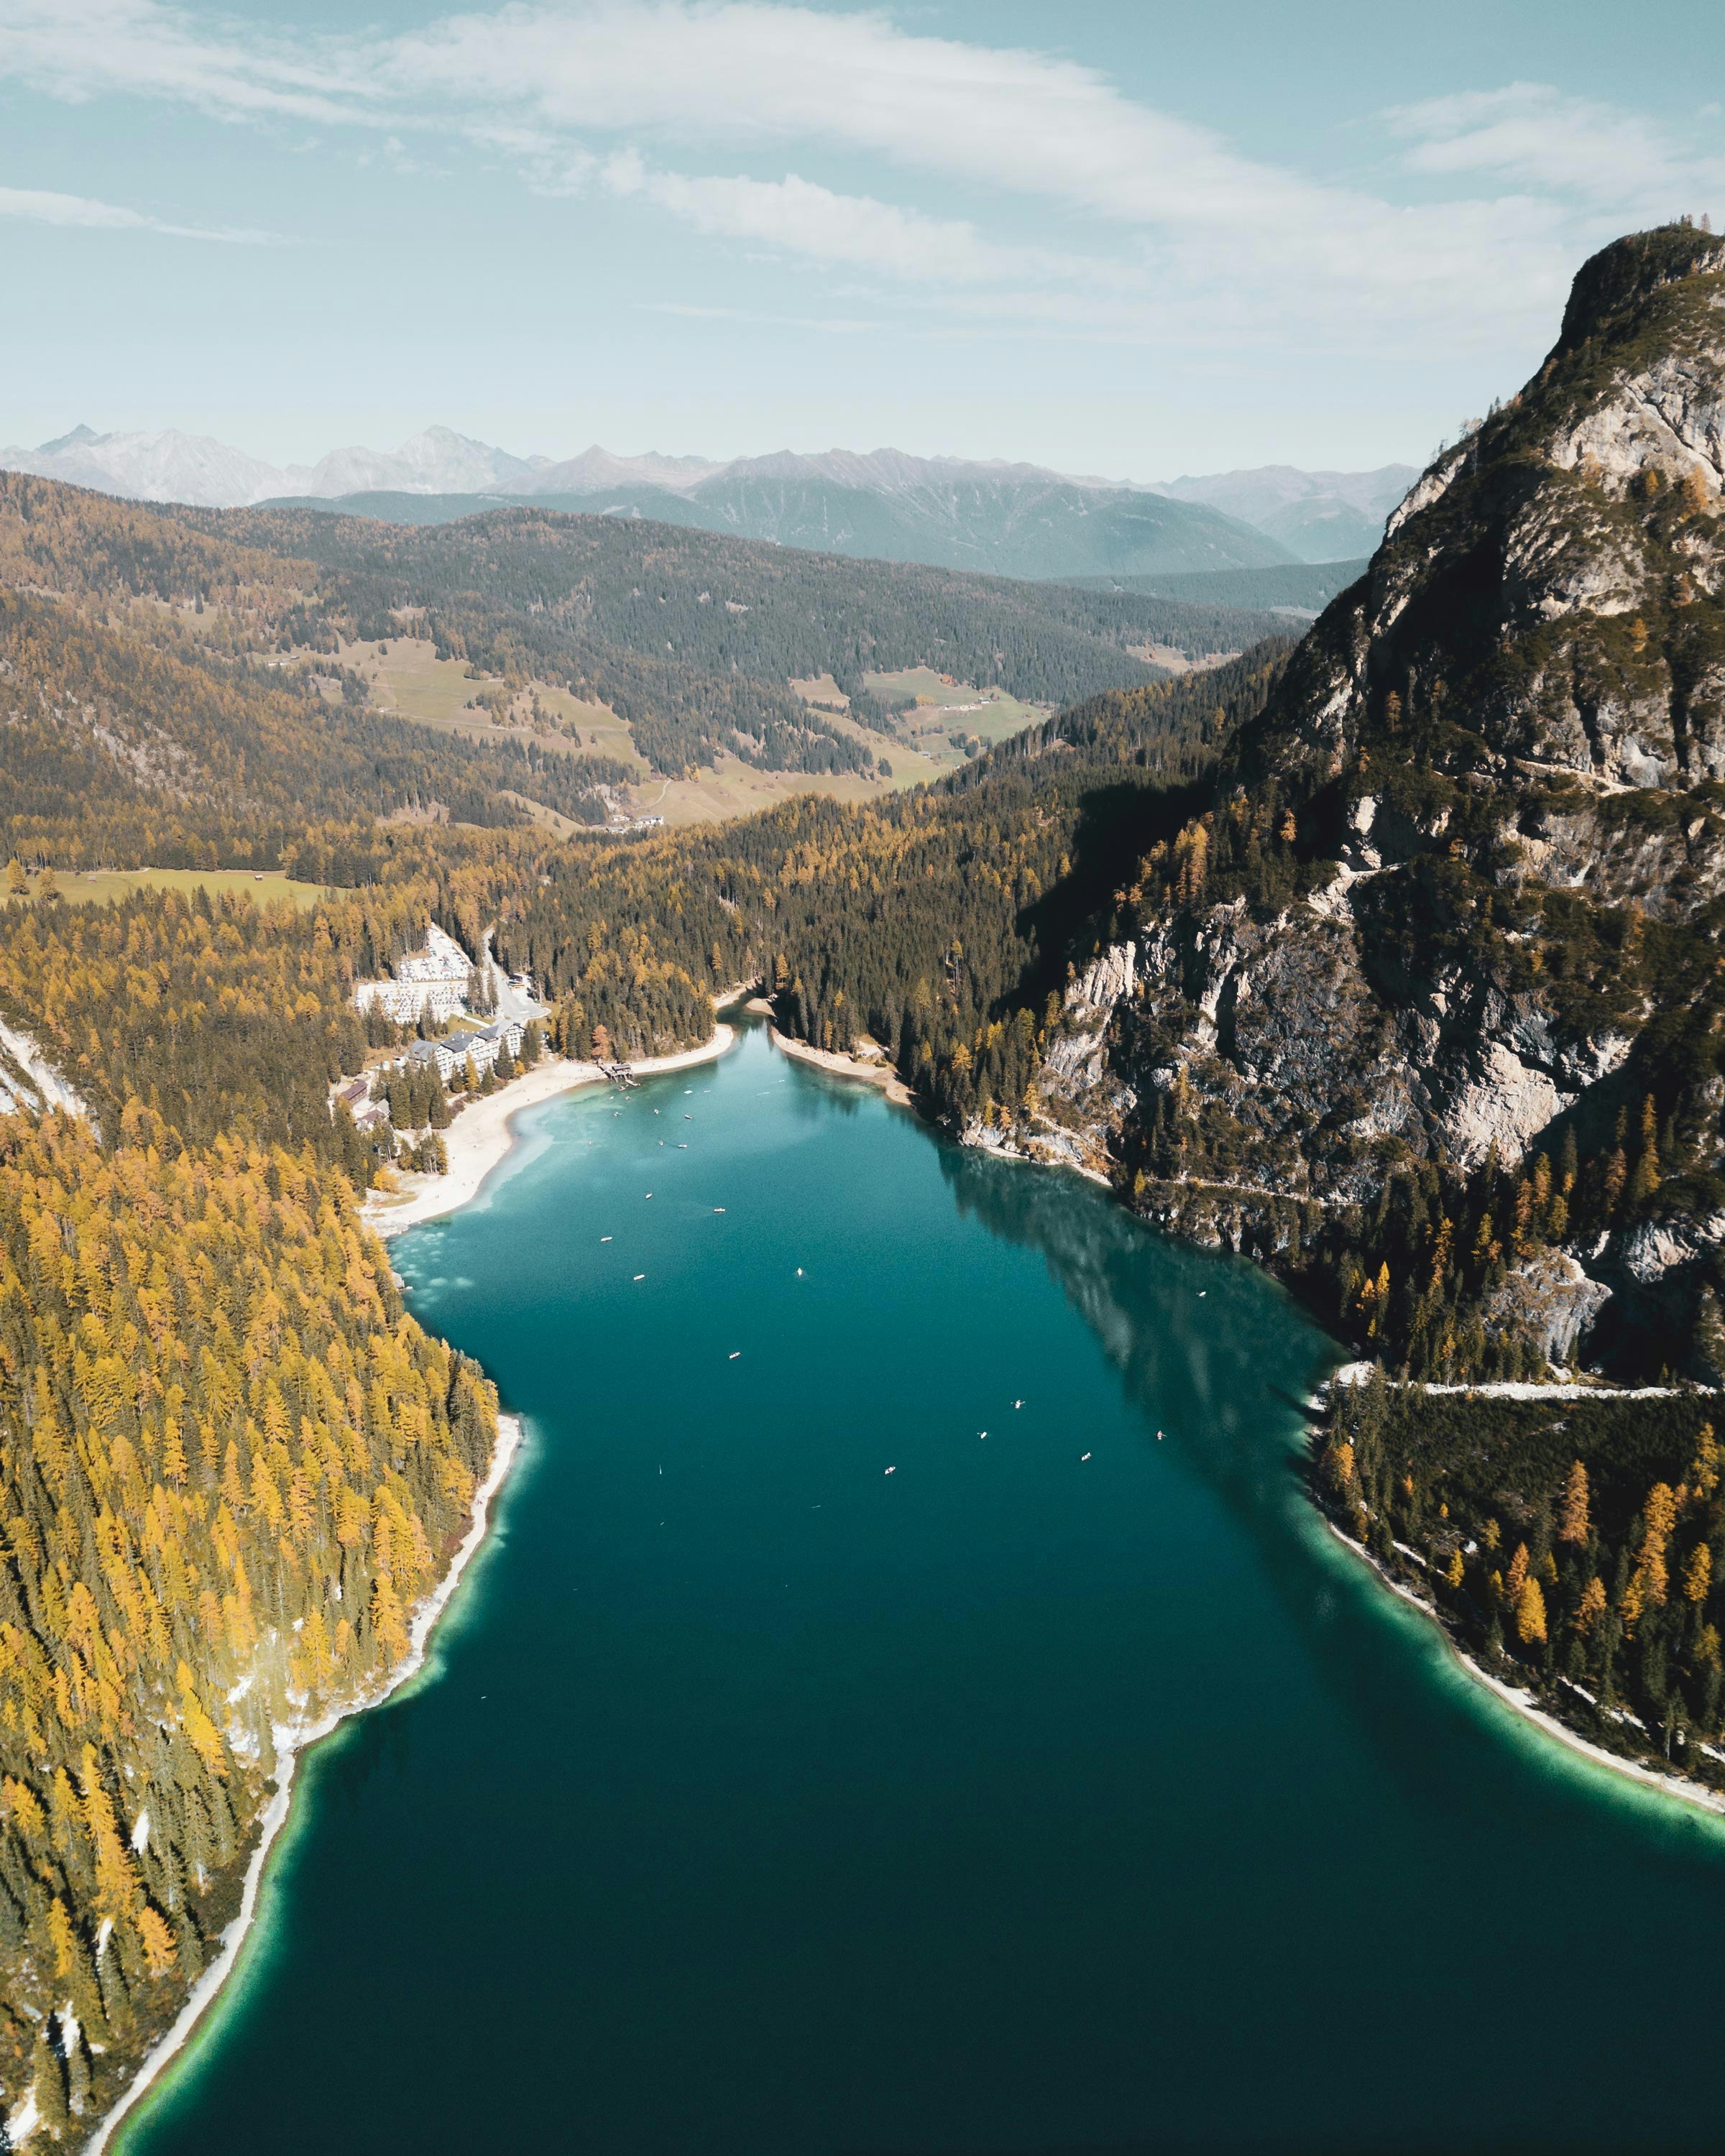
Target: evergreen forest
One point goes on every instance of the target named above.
(1336, 951)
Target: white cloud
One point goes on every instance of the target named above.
(38, 206)
(1168, 223)
(79, 49)
(1532, 134)
(803, 219)
(995, 122)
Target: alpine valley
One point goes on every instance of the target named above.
(1386, 954)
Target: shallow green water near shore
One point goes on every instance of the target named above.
(762, 1803)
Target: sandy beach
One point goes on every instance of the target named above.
(291, 1740)
(480, 1136)
(880, 1074)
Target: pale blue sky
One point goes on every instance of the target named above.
(1132, 239)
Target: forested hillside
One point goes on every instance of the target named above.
(1389, 958)
(938, 923)
(1582, 1538)
(1014, 522)
(123, 745)
(695, 641)
(229, 1465)
(164, 699)
(693, 638)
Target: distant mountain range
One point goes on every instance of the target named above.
(1318, 516)
(1011, 519)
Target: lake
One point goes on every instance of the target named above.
(1066, 1788)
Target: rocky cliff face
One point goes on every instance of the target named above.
(1459, 895)
(1552, 585)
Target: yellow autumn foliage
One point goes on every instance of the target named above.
(230, 1464)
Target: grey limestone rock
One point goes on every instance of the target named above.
(1497, 751)
(1552, 1300)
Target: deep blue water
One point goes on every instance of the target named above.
(763, 1803)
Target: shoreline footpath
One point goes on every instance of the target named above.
(481, 1136)
(1525, 1705)
(292, 1742)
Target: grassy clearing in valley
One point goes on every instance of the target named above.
(821, 688)
(1173, 661)
(953, 707)
(410, 681)
(736, 788)
(263, 887)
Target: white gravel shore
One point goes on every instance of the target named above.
(291, 1739)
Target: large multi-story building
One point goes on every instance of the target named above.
(479, 1044)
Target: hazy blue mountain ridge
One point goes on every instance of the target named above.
(1305, 587)
(1005, 518)
(1034, 527)
(1318, 516)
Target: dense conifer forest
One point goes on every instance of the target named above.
(694, 638)
(1574, 1544)
(938, 923)
(230, 1464)
(128, 746)
(233, 622)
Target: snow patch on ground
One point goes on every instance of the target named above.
(23, 2122)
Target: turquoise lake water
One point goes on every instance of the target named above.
(762, 1803)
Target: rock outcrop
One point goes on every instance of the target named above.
(1455, 893)
(1552, 1301)
(28, 1081)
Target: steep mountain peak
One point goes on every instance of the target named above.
(1464, 876)
(596, 468)
(1547, 596)
(436, 461)
(81, 437)
(1612, 288)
